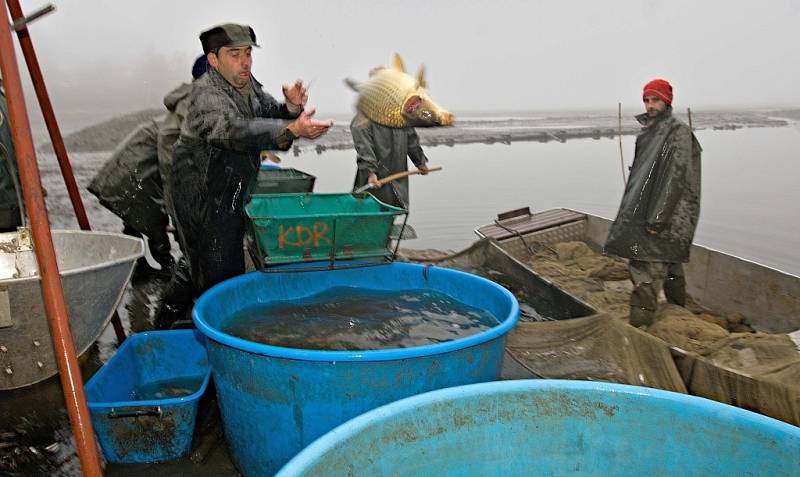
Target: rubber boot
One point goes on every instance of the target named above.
(161, 254)
(178, 298)
(675, 289)
(641, 317)
(142, 267)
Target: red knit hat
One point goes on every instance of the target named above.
(660, 88)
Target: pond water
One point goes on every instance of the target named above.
(749, 189)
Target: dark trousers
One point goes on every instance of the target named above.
(10, 219)
(647, 278)
(157, 243)
(213, 254)
(214, 250)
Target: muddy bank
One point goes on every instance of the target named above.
(106, 135)
(793, 114)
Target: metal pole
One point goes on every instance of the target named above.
(621, 159)
(55, 133)
(49, 117)
(33, 16)
(52, 291)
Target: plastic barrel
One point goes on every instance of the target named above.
(275, 401)
(551, 427)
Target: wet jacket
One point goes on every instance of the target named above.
(383, 151)
(215, 160)
(177, 103)
(129, 183)
(662, 194)
(10, 189)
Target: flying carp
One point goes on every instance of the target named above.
(391, 97)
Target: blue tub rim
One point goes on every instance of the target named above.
(97, 406)
(495, 332)
(307, 457)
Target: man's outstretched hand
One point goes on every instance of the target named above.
(308, 127)
(296, 95)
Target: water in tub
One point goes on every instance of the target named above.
(347, 318)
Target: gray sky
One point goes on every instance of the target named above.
(480, 56)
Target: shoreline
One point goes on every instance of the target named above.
(106, 135)
(546, 129)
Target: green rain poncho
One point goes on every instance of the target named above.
(662, 194)
(384, 151)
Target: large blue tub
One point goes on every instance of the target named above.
(275, 400)
(550, 427)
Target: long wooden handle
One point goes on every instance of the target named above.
(400, 175)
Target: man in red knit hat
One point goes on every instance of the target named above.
(658, 215)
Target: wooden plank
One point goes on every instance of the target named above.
(527, 223)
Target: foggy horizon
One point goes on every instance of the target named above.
(480, 57)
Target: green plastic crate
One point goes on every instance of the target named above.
(296, 228)
(281, 181)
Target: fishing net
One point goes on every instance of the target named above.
(561, 288)
(559, 335)
(756, 371)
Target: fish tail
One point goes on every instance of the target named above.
(353, 84)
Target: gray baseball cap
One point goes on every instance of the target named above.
(230, 35)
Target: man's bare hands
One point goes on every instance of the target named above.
(296, 95)
(373, 181)
(308, 127)
(423, 169)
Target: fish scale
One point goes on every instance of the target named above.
(384, 95)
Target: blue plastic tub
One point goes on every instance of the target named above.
(132, 430)
(275, 401)
(550, 427)
(268, 166)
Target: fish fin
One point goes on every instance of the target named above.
(353, 84)
(375, 70)
(421, 82)
(397, 63)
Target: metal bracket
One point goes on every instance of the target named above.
(24, 242)
(21, 23)
(115, 413)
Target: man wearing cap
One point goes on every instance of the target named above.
(229, 120)
(658, 215)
